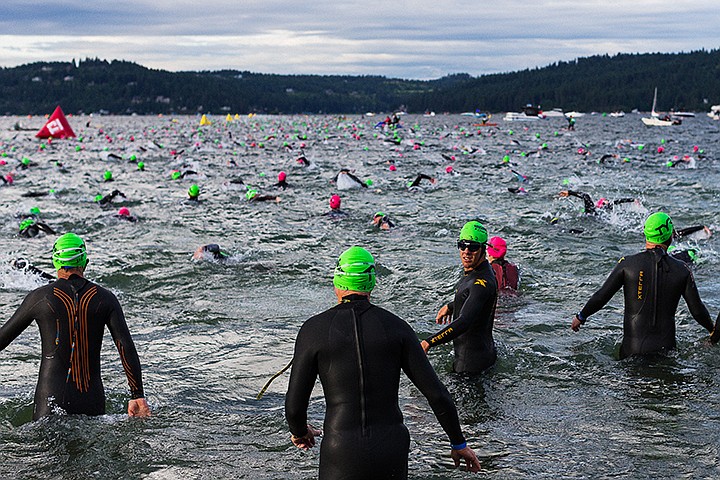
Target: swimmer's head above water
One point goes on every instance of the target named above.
(658, 228)
(69, 252)
(355, 270)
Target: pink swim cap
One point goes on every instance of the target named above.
(335, 202)
(393, 168)
(448, 169)
(601, 203)
(496, 247)
(124, 212)
(281, 177)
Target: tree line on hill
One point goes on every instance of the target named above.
(603, 83)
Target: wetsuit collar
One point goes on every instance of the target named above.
(355, 297)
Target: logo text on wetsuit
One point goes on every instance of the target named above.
(480, 281)
(640, 285)
(439, 337)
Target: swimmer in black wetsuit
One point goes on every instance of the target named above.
(382, 221)
(591, 208)
(335, 212)
(282, 181)
(25, 266)
(420, 178)
(109, 197)
(71, 314)
(473, 309)
(211, 250)
(30, 228)
(358, 350)
(688, 231)
(652, 283)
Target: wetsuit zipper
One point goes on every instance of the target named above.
(361, 368)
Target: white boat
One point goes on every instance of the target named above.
(714, 112)
(681, 114)
(574, 114)
(520, 117)
(554, 113)
(656, 120)
(617, 114)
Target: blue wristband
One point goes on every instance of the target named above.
(580, 317)
(459, 446)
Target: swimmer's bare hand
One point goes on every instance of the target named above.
(472, 464)
(425, 346)
(564, 193)
(307, 441)
(575, 325)
(444, 315)
(138, 407)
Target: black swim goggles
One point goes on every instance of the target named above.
(472, 246)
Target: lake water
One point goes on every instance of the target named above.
(557, 404)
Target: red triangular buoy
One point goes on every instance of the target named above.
(57, 126)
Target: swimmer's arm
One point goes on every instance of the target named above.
(472, 309)
(126, 349)
(697, 308)
(687, 231)
(302, 380)
(21, 319)
(600, 298)
(421, 373)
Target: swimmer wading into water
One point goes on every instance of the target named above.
(652, 283)
(358, 350)
(72, 313)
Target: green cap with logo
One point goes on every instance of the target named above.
(658, 228)
(355, 270)
(474, 231)
(69, 251)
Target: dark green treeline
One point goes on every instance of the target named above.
(685, 81)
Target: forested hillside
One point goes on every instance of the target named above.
(687, 81)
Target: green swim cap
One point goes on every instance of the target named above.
(141, 165)
(98, 197)
(355, 270)
(26, 223)
(175, 175)
(107, 175)
(658, 228)
(34, 211)
(69, 251)
(250, 194)
(194, 191)
(474, 232)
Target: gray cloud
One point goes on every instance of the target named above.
(409, 39)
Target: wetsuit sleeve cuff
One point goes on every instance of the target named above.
(581, 317)
(459, 446)
(138, 394)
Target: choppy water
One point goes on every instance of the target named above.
(557, 404)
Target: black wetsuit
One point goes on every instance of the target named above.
(110, 196)
(473, 315)
(419, 179)
(358, 350)
(589, 206)
(652, 283)
(34, 229)
(74, 311)
(687, 231)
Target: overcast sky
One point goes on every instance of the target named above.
(419, 39)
